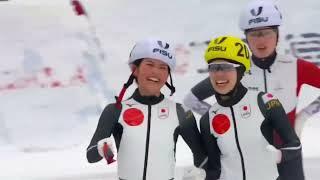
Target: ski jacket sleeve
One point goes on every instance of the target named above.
(203, 89)
(106, 124)
(276, 119)
(308, 73)
(190, 133)
(311, 109)
(194, 99)
(213, 168)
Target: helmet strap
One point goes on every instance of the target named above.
(170, 86)
(123, 90)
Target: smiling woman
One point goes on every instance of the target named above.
(228, 59)
(223, 76)
(261, 22)
(147, 124)
(242, 118)
(151, 76)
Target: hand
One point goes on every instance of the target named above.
(305, 114)
(193, 173)
(106, 148)
(301, 119)
(276, 153)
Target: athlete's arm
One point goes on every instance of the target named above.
(277, 119)
(190, 133)
(213, 168)
(305, 114)
(194, 99)
(107, 121)
(308, 73)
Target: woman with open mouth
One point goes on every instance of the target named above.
(238, 129)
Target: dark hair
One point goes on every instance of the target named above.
(274, 28)
(241, 69)
(137, 62)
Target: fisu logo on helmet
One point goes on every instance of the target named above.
(162, 51)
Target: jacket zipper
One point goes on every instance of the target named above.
(265, 81)
(238, 144)
(147, 144)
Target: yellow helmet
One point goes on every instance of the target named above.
(229, 48)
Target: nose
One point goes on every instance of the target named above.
(154, 71)
(217, 74)
(220, 73)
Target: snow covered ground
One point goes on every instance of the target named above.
(50, 89)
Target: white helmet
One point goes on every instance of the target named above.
(260, 13)
(155, 49)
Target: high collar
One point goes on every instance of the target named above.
(232, 99)
(264, 63)
(148, 100)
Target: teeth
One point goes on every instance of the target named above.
(153, 79)
(221, 81)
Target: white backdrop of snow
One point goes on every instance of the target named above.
(44, 131)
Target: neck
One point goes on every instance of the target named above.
(266, 62)
(146, 93)
(233, 97)
(146, 99)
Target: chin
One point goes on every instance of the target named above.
(222, 91)
(262, 54)
(259, 55)
(153, 92)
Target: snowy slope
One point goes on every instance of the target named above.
(44, 131)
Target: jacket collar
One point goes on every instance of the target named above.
(148, 100)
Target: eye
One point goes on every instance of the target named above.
(149, 64)
(163, 68)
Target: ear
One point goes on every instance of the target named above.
(240, 72)
(134, 69)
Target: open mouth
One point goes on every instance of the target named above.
(222, 82)
(153, 79)
(261, 48)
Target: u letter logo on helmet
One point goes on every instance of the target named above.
(276, 7)
(254, 13)
(220, 40)
(161, 45)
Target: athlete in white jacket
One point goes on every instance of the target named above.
(270, 72)
(238, 129)
(147, 125)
